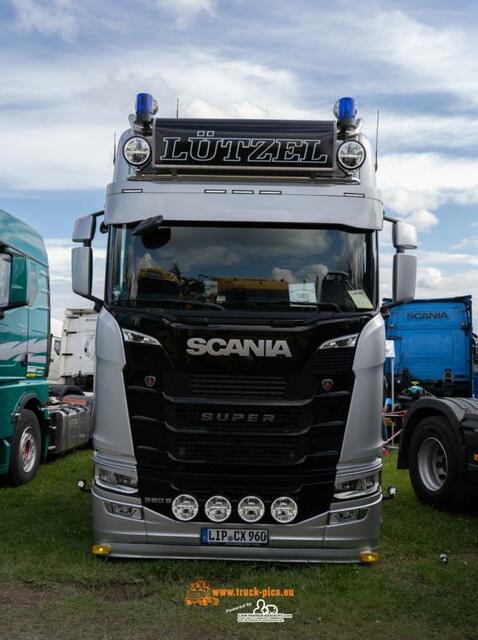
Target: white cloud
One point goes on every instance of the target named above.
(57, 17)
(412, 181)
(423, 220)
(186, 11)
(429, 277)
(87, 100)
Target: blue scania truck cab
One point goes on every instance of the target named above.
(434, 344)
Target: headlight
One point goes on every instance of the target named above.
(218, 508)
(284, 510)
(122, 481)
(340, 343)
(185, 507)
(136, 151)
(126, 510)
(251, 509)
(356, 488)
(139, 338)
(351, 155)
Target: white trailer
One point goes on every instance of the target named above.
(77, 348)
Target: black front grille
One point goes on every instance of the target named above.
(235, 449)
(331, 362)
(223, 386)
(146, 357)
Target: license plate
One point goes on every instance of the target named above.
(235, 537)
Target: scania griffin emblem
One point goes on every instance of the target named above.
(150, 381)
(327, 384)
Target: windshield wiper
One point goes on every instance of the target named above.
(324, 306)
(193, 303)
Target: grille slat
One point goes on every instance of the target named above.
(224, 386)
(330, 361)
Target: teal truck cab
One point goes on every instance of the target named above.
(31, 424)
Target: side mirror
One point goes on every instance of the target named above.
(82, 257)
(84, 229)
(404, 277)
(404, 235)
(82, 271)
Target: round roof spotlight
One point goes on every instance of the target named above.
(136, 151)
(218, 508)
(351, 155)
(284, 510)
(251, 508)
(185, 507)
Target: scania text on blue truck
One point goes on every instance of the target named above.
(240, 345)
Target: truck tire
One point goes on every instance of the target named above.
(436, 464)
(26, 448)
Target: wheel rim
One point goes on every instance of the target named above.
(28, 450)
(432, 464)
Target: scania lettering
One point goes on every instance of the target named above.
(240, 345)
(219, 347)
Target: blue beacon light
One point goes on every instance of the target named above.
(345, 111)
(144, 107)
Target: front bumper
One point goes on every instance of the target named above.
(313, 540)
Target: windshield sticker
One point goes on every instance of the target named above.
(303, 292)
(360, 298)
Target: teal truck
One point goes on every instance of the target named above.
(32, 423)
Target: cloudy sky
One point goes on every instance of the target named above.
(69, 72)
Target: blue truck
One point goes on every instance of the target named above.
(434, 344)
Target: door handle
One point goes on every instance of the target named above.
(24, 359)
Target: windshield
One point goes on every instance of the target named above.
(242, 268)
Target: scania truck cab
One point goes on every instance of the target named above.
(240, 345)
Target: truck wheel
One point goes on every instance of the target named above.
(26, 448)
(436, 465)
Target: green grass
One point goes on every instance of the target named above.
(51, 587)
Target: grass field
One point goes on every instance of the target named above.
(52, 588)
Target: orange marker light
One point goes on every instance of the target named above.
(101, 549)
(369, 557)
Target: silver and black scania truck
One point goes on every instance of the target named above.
(240, 344)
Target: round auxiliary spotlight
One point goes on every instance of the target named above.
(284, 509)
(351, 155)
(185, 507)
(251, 509)
(218, 508)
(136, 151)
